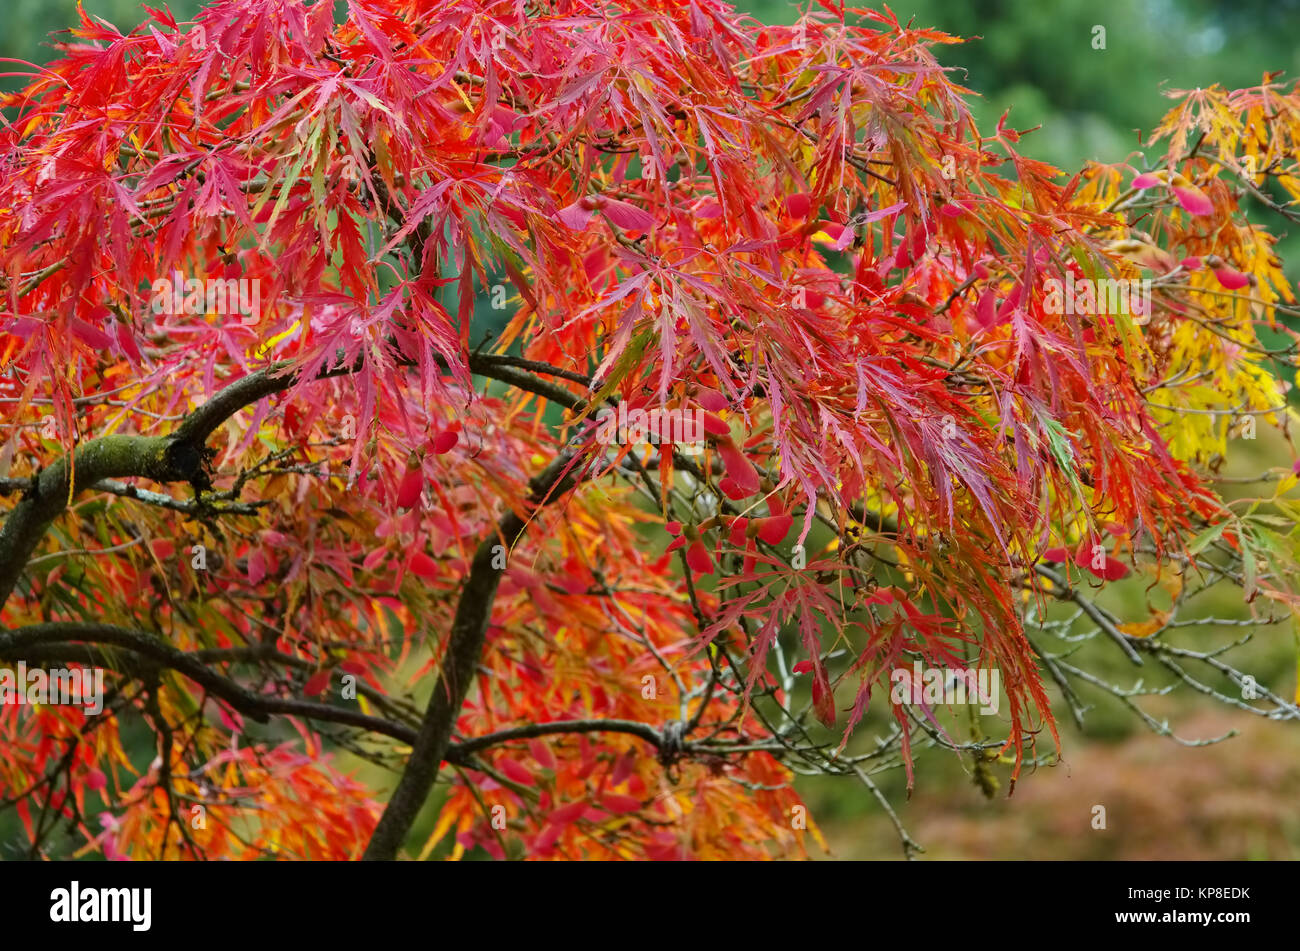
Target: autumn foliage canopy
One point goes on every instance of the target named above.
(361, 542)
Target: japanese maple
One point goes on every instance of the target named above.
(264, 464)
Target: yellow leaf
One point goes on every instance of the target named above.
(444, 823)
(1145, 628)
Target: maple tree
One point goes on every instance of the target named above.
(279, 513)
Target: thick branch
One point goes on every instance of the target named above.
(153, 457)
(37, 641)
(179, 457)
(468, 633)
(75, 642)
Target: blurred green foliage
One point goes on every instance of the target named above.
(1040, 59)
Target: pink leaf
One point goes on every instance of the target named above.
(1232, 280)
(1193, 200)
(256, 566)
(230, 719)
(574, 217)
(628, 217)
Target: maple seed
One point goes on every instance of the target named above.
(712, 400)
(444, 442)
(317, 684)
(742, 479)
(423, 566)
(412, 484)
(773, 530)
(823, 698)
(697, 556)
(715, 425)
(797, 205)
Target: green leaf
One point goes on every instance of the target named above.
(1206, 538)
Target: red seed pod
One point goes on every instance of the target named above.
(797, 205)
(697, 556)
(773, 530)
(740, 472)
(711, 400)
(715, 425)
(1230, 279)
(424, 566)
(444, 442)
(409, 489)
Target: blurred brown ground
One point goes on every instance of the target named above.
(1233, 800)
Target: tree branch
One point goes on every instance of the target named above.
(458, 752)
(465, 645)
(38, 640)
(76, 642)
(154, 457)
(1064, 592)
(179, 457)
